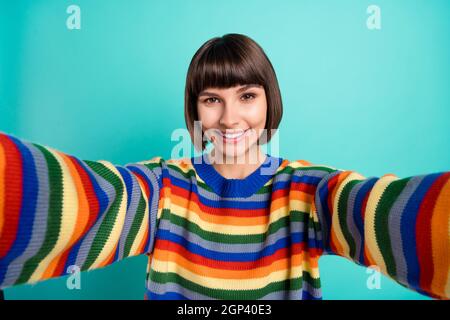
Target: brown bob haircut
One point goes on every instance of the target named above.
(228, 61)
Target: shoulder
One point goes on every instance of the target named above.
(304, 174)
(302, 165)
(180, 165)
(183, 164)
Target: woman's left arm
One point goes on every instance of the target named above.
(399, 225)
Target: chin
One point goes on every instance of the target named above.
(233, 152)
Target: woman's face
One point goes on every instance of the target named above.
(234, 118)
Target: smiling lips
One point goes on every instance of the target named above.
(234, 136)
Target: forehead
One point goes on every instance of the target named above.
(235, 89)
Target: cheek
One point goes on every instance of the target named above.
(257, 116)
(208, 117)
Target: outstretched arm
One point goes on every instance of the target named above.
(399, 225)
(57, 211)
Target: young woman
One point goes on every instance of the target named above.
(220, 226)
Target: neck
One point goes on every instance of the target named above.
(238, 167)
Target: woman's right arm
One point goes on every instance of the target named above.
(57, 211)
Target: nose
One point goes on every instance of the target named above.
(230, 116)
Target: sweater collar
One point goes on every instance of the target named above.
(245, 187)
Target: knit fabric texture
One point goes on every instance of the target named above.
(209, 237)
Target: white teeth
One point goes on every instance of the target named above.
(233, 135)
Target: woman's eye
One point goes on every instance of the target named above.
(248, 96)
(210, 100)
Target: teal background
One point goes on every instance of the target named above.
(374, 101)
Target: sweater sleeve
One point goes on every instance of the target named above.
(399, 226)
(57, 211)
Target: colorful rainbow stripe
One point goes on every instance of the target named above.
(208, 237)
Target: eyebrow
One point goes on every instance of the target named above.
(248, 86)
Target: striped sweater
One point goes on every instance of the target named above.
(208, 237)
